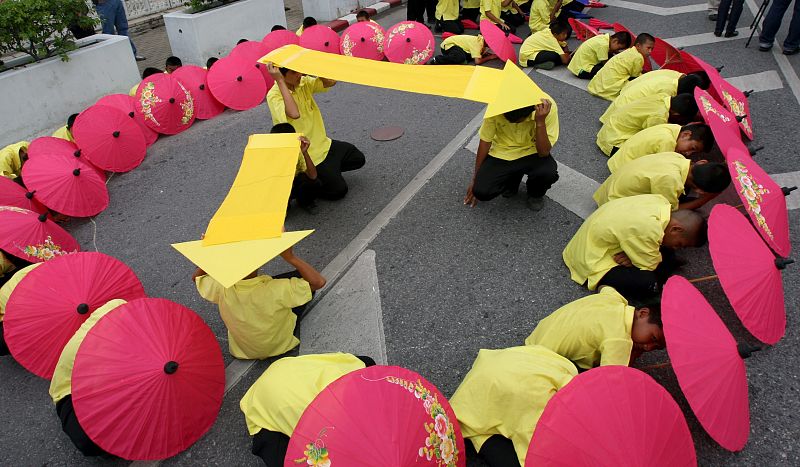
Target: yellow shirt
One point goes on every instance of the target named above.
(447, 10)
(471, 4)
(133, 90)
(279, 396)
(540, 15)
(258, 313)
(593, 51)
(610, 80)
(8, 288)
(655, 82)
(63, 133)
(299, 32)
(543, 40)
(61, 384)
(510, 141)
(634, 225)
(493, 6)
(506, 392)
(591, 331)
(10, 162)
(310, 122)
(658, 138)
(658, 174)
(631, 119)
(473, 45)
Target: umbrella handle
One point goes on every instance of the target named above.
(703, 279)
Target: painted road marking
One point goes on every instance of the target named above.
(764, 81)
(704, 38)
(657, 10)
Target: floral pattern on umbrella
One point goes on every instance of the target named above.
(149, 99)
(46, 250)
(753, 192)
(316, 454)
(738, 108)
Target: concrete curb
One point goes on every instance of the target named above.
(342, 23)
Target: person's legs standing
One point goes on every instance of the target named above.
(792, 43)
(722, 16)
(496, 176)
(772, 22)
(736, 12)
(121, 23)
(430, 10)
(713, 7)
(414, 10)
(106, 11)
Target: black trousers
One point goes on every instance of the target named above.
(455, 55)
(271, 446)
(305, 190)
(453, 26)
(729, 12)
(342, 157)
(545, 56)
(471, 14)
(416, 10)
(590, 74)
(512, 19)
(642, 286)
(496, 176)
(73, 429)
(497, 451)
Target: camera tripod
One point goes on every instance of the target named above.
(759, 15)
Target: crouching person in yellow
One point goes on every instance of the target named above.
(686, 140)
(668, 174)
(274, 403)
(12, 157)
(614, 75)
(502, 397)
(643, 113)
(601, 329)
(61, 384)
(620, 245)
(6, 290)
(260, 311)
(543, 49)
(592, 54)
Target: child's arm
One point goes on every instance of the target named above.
(311, 169)
(485, 58)
(328, 83)
(199, 272)
(700, 201)
(311, 275)
(499, 22)
(565, 58)
(481, 155)
(290, 106)
(543, 145)
(519, 10)
(556, 7)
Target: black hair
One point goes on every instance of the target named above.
(242, 40)
(173, 61)
(644, 38)
(71, 121)
(705, 81)
(277, 27)
(557, 27)
(150, 71)
(211, 61)
(282, 128)
(283, 70)
(309, 21)
(623, 37)
(700, 132)
(654, 317)
(362, 14)
(684, 106)
(687, 83)
(711, 177)
(517, 115)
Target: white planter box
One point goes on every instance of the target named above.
(328, 10)
(42, 95)
(213, 33)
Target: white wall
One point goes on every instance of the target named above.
(213, 33)
(328, 10)
(42, 95)
(139, 8)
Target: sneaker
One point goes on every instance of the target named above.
(712, 17)
(535, 203)
(764, 47)
(139, 58)
(791, 51)
(545, 66)
(718, 34)
(731, 33)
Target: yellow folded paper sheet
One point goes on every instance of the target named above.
(231, 262)
(503, 90)
(255, 206)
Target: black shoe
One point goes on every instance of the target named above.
(718, 34)
(712, 17)
(764, 47)
(731, 33)
(791, 51)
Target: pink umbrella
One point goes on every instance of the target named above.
(127, 104)
(706, 360)
(730, 96)
(583, 31)
(409, 42)
(279, 38)
(497, 40)
(749, 273)
(320, 38)
(194, 79)
(33, 237)
(385, 406)
(66, 183)
(723, 123)
(621, 417)
(363, 40)
(54, 300)
(148, 380)
(252, 51)
(237, 83)
(167, 106)
(45, 146)
(665, 55)
(13, 194)
(764, 200)
(109, 138)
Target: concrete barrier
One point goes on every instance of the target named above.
(328, 10)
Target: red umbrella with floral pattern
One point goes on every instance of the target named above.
(194, 79)
(363, 40)
(388, 407)
(165, 103)
(409, 42)
(320, 38)
(32, 236)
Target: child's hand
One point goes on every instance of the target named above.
(622, 259)
(274, 71)
(543, 109)
(305, 143)
(470, 200)
(504, 27)
(287, 254)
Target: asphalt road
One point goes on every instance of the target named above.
(452, 279)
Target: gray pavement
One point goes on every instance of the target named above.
(451, 279)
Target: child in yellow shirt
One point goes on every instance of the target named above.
(593, 53)
(65, 132)
(461, 49)
(12, 158)
(621, 68)
(686, 140)
(543, 49)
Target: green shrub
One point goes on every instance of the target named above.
(40, 28)
(198, 6)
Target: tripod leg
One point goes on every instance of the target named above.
(759, 15)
